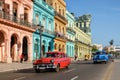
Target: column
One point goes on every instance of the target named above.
(30, 58)
(46, 47)
(9, 59)
(15, 52)
(0, 54)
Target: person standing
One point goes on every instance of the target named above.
(21, 57)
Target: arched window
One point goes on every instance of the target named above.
(37, 19)
(50, 26)
(44, 22)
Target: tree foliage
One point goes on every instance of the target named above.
(94, 48)
(111, 42)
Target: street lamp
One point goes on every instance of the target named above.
(41, 30)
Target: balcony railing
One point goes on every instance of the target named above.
(76, 40)
(69, 40)
(70, 29)
(48, 31)
(14, 19)
(60, 35)
(62, 17)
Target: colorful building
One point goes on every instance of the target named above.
(15, 30)
(60, 24)
(43, 16)
(70, 33)
(83, 37)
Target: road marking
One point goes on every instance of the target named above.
(74, 78)
(69, 70)
(20, 78)
(108, 73)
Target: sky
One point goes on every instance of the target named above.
(105, 20)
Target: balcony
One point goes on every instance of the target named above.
(62, 17)
(14, 19)
(60, 35)
(69, 40)
(48, 31)
(76, 40)
(70, 29)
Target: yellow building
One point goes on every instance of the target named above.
(83, 37)
(60, 24)
(82, 44)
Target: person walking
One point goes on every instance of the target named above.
(75, 57)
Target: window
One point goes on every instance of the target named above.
(44, 0)
(56, 27)
(50, 25)
(25, 14)
(44, 22)
(55, 6)
(36, 18)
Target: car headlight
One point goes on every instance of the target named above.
(52, 61)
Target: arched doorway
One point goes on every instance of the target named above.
(49, 47)
(55, 46)
(25, 48)
(13, 49)
(43, 48)
(60, 48)
(2, 46)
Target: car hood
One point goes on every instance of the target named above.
(43, 60)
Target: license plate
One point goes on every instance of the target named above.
(41, 67)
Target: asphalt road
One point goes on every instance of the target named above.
(85, 70)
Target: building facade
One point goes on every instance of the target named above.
(83, 22)
(15, 30)
(82, 44)
(70, 33)
(60, 24)
(83, 37)
(43, 15)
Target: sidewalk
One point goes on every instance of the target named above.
(4, 67)
(15, 66)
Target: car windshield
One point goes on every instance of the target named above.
(51, 55)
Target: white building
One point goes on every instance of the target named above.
(99, 46)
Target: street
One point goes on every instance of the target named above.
(81, 70)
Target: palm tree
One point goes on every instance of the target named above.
(111, 42)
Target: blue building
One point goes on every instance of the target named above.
(70, 34)
(43, 14)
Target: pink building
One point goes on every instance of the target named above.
(15, 31)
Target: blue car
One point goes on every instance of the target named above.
(100, 56)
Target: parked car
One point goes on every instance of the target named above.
(53, 60)
(100, 56)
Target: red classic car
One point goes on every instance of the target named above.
(53, 60)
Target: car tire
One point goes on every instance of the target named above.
(57, 69)
(37, 70)
(105, 62)
(94, 62)
(67, 67)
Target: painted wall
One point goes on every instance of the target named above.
(70, 33)
(43, 15)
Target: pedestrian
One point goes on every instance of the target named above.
(21, 57)
(75, 57)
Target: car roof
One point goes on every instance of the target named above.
(57, 52)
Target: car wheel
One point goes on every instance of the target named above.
(57, 69)
(105, 62)
(94, 62)
(37, 70)
(67, 67)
